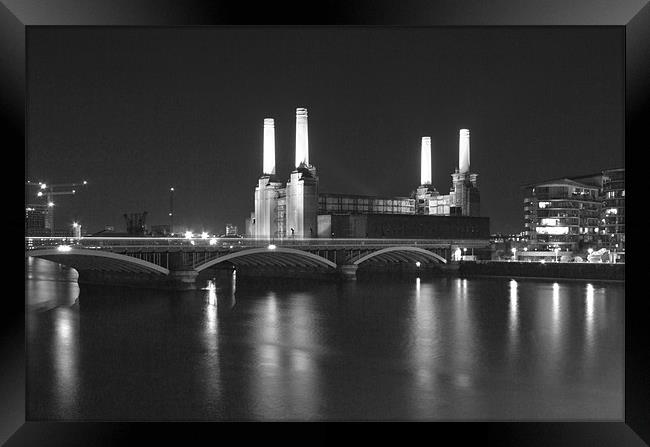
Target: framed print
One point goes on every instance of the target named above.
(357, 211)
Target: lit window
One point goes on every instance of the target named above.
(550, 222)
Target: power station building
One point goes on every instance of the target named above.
(296, 209)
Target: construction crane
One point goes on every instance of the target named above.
(50, 190)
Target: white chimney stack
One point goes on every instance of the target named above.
(269, 146)
(302, 137)
(425, 168)
(463, 151)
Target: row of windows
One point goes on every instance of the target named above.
(367, 201)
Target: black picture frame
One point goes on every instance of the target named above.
(633, 16)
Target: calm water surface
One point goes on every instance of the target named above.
(379, 348)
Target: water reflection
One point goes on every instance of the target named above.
(233, 289)
(211, 376)
(423, 348)
(513, 317)
(424, 338)
(211, 312)
(555, 340)
(65, 351)
(589, 321)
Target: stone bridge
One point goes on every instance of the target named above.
(175, 263)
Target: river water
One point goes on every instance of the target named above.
(379, 348)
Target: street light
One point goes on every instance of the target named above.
(188, 234)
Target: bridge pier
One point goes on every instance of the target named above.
(347, 272)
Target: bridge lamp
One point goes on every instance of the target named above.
(188, 234)
(43, 186)
(64, 248)
(417, 264)
(213, 241)
(50, 204)
(272, 247)
(204, 235)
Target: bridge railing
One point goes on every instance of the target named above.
(109, 243)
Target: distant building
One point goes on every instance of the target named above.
(160, 231)
(502, 246)
(231, 230)
(612, 222)
(136, 223)
(298, 209)
(36, 218)
(561, 213)
(575, 214)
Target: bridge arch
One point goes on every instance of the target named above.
(84, 259)
(280, 257)
(405, 253)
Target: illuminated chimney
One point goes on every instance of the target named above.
(269, 146)
(463, 151)
(302, 138)
(425, 168)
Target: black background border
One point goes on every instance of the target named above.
(633, 16)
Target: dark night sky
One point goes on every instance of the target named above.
(137, 110)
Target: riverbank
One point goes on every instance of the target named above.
(560, 270)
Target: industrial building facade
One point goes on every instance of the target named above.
(576, 213)
(297, 209)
